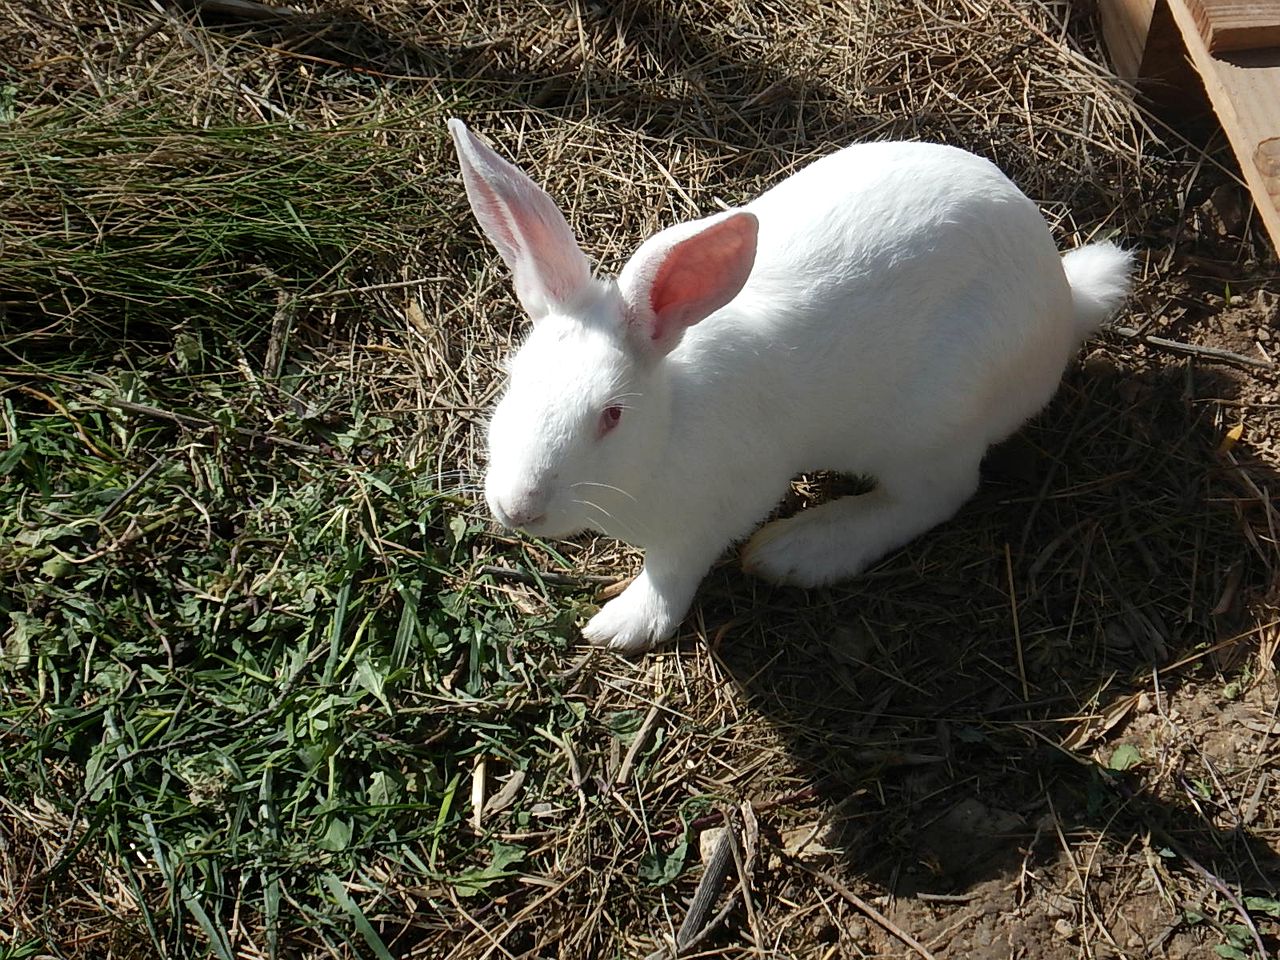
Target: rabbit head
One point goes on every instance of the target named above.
(587, 413)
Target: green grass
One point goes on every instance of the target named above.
(245, 669)
(123, 221)
(227, 701)
(261, 671)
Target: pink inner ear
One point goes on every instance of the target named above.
(683, 280)
(493, 217)
(524, 224)
(701, 274)
(534, 240)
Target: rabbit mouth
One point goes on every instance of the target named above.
(536, 511)
(516, 520)
(548, 524)
(554, 527)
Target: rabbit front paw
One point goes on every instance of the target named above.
(632, 622)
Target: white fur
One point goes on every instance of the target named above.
(1099, 279)
(906, 309)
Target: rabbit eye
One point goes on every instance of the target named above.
(609, 418)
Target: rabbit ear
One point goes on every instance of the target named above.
(685, 273)
(524, 224)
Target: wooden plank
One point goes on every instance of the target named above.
(1231, 25)
(1146, 49)
(1267, 159)
(1244, 89)
(1125, 25)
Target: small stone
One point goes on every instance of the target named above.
(1059, 906)
(1064, 928)
(708, 840)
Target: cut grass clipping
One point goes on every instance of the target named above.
(210, 598)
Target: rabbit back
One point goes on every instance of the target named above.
(899, 289)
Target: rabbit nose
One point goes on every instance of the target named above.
(525, 516)
(523, 509)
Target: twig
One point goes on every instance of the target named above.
(641, 738)
(241, 9)
(536, 577)
(947, 897)
(205, 423)
(1195, 350)
(1017, 629)
(744, 882)
(868, 909)
(115, 505)
(371, 287)
(695, 926)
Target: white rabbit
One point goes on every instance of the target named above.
(890, 310)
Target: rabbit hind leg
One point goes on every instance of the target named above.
(840, 539)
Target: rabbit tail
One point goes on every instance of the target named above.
(1099, 278)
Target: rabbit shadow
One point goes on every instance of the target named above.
(957, 709)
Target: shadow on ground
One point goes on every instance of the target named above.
(960, 709)
(763, 86)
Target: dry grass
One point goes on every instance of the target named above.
(1046, 730)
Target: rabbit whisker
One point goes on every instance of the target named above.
(622, 526)
(606, 486)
